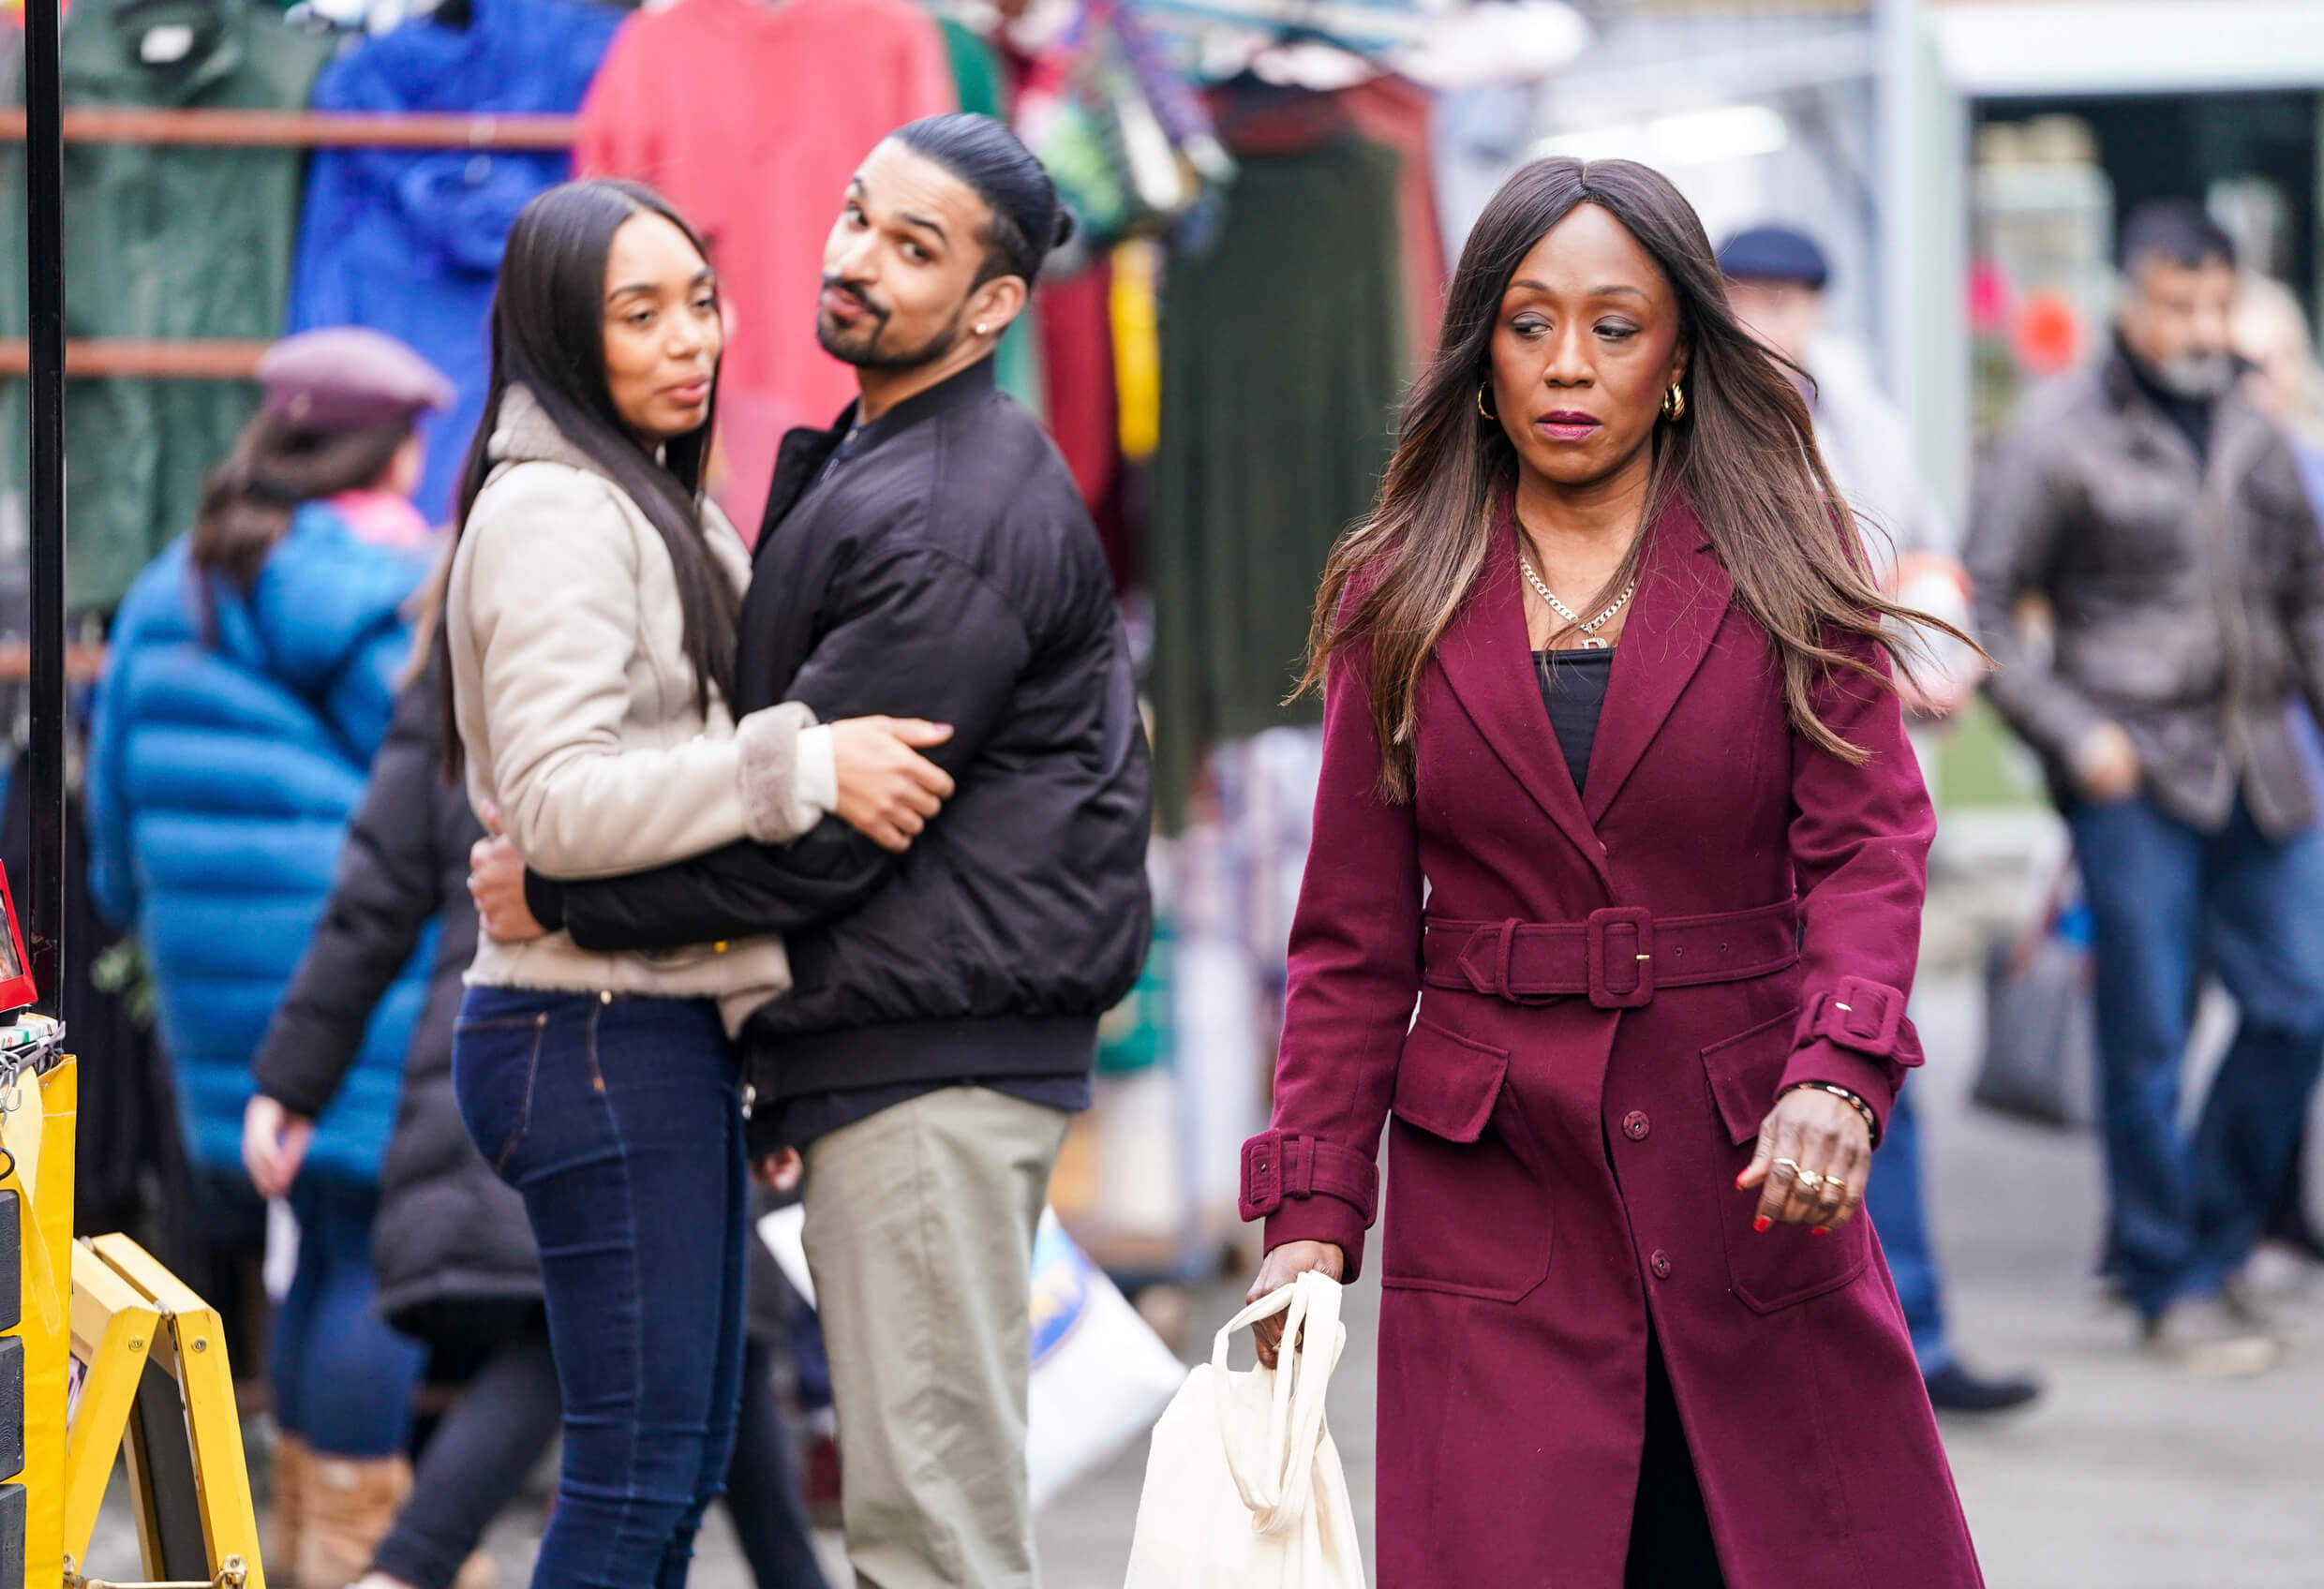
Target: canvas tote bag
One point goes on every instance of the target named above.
(1244, 1486)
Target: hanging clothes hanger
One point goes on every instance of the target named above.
(168, 42)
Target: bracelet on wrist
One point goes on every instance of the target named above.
(1871, 1121)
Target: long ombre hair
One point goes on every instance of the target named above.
(1743, 457)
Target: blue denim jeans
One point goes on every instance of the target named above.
(343, 1380)
(2167, 901)
(1898, 1207)
(619, 1120)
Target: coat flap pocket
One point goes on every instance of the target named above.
(1446, 1084)
(1745, 1070)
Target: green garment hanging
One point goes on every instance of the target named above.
(162, 242)
(1283, 356)
(976, 78)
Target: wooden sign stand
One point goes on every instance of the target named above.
(156, 1389)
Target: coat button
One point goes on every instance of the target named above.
(1659, 1263)
(1636, 1126)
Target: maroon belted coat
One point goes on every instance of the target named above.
(1614, 986)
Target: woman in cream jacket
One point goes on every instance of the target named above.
(588, 642)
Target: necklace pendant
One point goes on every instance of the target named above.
(1594, 643)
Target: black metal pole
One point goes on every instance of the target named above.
(44, 755)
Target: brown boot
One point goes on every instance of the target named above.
(286, 1510)
(351, 1502)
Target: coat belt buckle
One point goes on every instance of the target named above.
(1620, 944)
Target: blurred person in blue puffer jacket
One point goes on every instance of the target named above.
(251, 676)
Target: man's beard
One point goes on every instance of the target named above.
(2197, 375)
(859, 345)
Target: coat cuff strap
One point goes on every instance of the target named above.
(1862, 1015)
(1856, 1036)
(1278, 1166)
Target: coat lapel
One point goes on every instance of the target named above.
(1487, 659)
(1683, 595)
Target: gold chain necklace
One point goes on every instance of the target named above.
(1589, 631)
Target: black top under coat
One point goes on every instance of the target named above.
(1574, 687)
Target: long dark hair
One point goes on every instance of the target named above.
(1744, 457)
(249, 498)
(548, 336)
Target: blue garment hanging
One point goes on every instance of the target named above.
(408, 240)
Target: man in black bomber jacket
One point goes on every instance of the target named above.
(929, 557)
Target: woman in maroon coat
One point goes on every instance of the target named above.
(1615, 785)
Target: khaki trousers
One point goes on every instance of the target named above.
(920, 1234)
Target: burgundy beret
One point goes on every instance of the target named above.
(346, 378)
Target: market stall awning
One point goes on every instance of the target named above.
(1993, 47)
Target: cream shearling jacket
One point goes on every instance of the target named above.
(578, 713)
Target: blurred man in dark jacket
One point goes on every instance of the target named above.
(2160, 517)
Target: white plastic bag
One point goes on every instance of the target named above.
(1100, 1373)
(1244, 1485)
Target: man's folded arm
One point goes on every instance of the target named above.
(735, 892)
(917, 634)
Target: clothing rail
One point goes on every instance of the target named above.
(211, 360)
(83, 664)
(45, 657)
(308, 129)
(197, 359)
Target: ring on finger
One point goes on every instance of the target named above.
(1810, 1181)
(1791, 1165)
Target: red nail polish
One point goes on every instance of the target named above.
(1820, 1230)
(1761, 1224)
(1738, 1181)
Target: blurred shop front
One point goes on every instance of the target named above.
(2081, 111)
(1758, 110)
(2042, 125)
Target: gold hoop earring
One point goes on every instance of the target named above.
(1674, 403)
(1480, 407)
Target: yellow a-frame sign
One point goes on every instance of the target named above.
(37, 1121)
(118, 1359)
(156, 1389)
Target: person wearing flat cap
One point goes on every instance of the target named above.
(251, 672)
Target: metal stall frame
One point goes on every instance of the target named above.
(44, 241)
